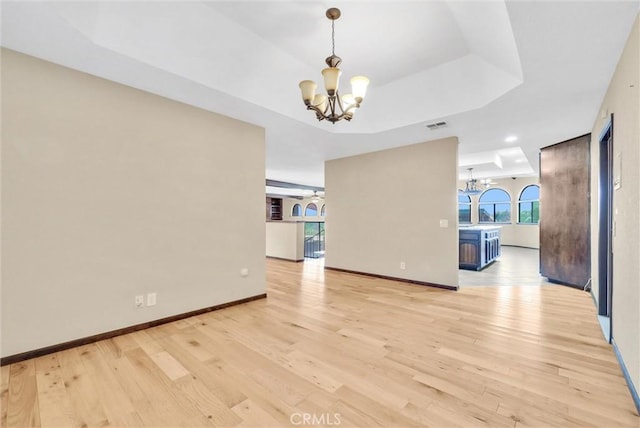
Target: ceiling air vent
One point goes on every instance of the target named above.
(436, 125)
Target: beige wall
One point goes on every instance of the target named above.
(623, 102)
(109, 192)
(285, 240)
(386, 207)
(521, 235)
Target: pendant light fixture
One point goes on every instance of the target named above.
(332, 107)
(472, 187)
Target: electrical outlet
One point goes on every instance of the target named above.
(403, 265)
(139, 301)
(244, 272)
(151, 299)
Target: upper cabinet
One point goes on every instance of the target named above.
(274, 209)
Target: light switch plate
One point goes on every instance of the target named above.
(151, 299)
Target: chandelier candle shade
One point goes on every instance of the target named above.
(332, 107)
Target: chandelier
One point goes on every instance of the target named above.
(332, 107)
(472, 187)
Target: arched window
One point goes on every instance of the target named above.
(322, 210)
(296, 211)
(311, 210)
(529, 205)
(494, 207)
(464, 208)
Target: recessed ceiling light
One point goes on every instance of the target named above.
(520, 160)
(511, 139)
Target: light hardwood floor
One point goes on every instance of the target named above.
(516, 266)
(343, 350)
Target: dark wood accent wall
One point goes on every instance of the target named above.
(565, 251)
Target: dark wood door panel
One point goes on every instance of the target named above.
(565, 253)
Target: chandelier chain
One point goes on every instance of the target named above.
(333, 37)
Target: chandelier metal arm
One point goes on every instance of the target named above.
(333, 113)
(333, 118)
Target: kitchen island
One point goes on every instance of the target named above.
(479, 246)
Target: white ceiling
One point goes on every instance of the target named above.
(537, 70)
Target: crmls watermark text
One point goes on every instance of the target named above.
(327, 419)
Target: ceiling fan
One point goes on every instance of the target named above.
(487, 182)
(315, 198)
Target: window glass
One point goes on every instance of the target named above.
(462, 198)
(494, 207)
(311, 210)
(495, 195)
(529, 205)
(530, 193)
(464, 208)
(296, 211)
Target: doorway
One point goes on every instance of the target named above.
(605, 222)
(313, 240)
